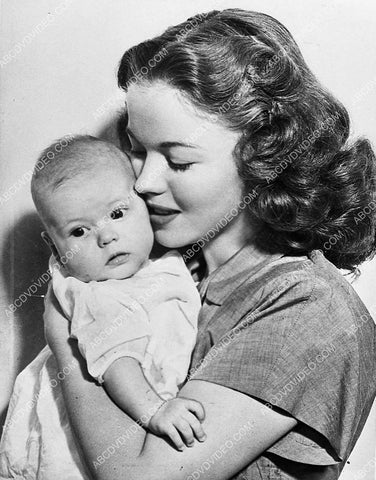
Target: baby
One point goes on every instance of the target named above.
(135, 319)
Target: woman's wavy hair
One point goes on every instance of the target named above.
(311, 188)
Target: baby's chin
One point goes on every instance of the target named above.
(110, 272)
(116, 274)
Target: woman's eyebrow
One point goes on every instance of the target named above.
(177, 144)
(165, 144)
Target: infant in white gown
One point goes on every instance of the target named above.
(120, 304)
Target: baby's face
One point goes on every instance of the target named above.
(101, 219)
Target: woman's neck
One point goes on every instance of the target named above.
(226, 244)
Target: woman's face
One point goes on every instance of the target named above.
(184, 165)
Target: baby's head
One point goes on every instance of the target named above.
(85, 198)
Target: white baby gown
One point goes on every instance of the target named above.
(151, 316)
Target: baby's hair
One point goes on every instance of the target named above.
(70, 157)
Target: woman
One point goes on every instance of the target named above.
(240, 152)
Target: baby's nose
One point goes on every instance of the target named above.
(106, 236)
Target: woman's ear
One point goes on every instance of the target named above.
(48, 240)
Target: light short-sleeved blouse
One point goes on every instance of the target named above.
(292, 333)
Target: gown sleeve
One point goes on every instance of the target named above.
(107, 326)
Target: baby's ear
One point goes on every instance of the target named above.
(48, 240)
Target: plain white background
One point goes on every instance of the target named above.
(60, 77)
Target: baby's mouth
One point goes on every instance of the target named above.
(118, 258)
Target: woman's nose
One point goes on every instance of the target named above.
(151, 178)
(106, 235)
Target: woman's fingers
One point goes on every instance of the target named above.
(196, 427)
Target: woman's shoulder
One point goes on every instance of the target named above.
(296, 335)
(305, 293)
(311, 277)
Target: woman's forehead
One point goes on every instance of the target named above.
(159, 113)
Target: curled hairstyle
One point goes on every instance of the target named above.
(312, 188)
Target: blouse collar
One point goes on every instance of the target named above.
(231, 274)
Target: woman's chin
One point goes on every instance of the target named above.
(172, 239)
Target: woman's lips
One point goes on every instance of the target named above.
(160, 215)
(118, 259)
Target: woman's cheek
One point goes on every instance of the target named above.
(189, 190)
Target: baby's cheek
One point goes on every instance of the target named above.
(80, 266)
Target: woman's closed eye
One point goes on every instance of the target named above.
(139, 154)
(179, 167)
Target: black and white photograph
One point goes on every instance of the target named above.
(188, 240)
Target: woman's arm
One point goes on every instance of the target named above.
(115, 447)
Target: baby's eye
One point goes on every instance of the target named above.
(117, 213)
(79, 232)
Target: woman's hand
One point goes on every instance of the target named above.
(56, 326)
